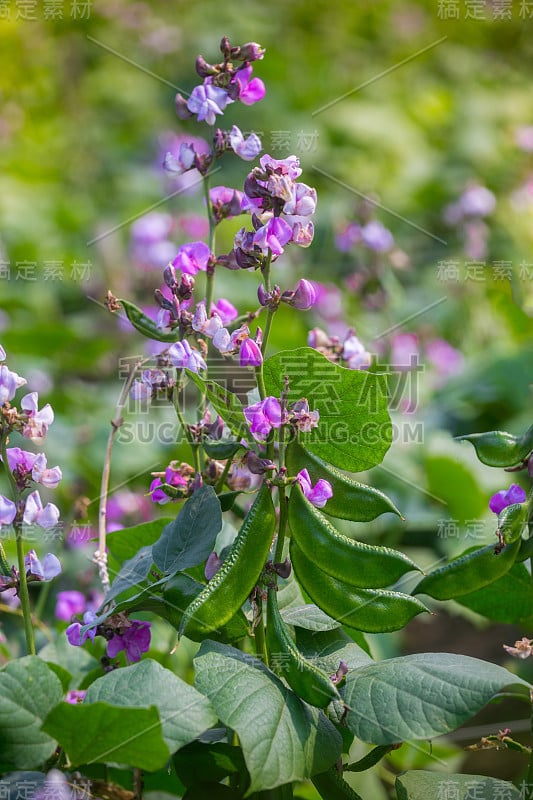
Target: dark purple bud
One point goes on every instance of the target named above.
(530, 466)
(258, 466)
(225, 47)
(162, 301)
(304, 295)
(169, 276)
(186, 286)
(203, 68)
(247, 260)
(216, 429)
(262, 295)
(212, 566)
(283, 569)
(229, 261)
(212, 471)
(181, 108)
(341, 673)
(252, 188)
(251, 51)
(197, 483)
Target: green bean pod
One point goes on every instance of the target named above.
(351, 500)
(511, 521)
(145, 325)
(358, 564)
(468, 573)
(308, 681)
(225, 593)
(499, 448)
(369, 610)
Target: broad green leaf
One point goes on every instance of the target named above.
(351, 500)
(327, 649)
(225, 403)
(76, 660)
(125, 543)
(506, 600)
(184, 712)
(332, 786)
(221, 450)
(455, 484)
(476, 568)
(421, 696)
(426, 785)
(198, 761)
(132, 574)
(99, 732)
(190, 538)
(29, 689)
(309, 617)
(354, 431)
(214, 791)
(500, 449)
(282, 738)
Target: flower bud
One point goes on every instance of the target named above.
(169, 276)
(251, 51)
(181, 108)
(258, 466)
(283, 569)
(225, 47)
(303, 297)
(262, 295)
(203, 68)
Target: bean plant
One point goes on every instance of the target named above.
(284, 685)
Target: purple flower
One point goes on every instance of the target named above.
(37, 422)
(273, 235)
(304, 295)
(41, 474)
(348, 237)
(251, 90)
(302, 201)
(69, 604)
(74, 696)
(354, 353)
(288, 166)
(445, 358)
(318, 494)
(477, 201)
(250, 354)
(134, 639)
(9, 383)
(181, 163)
(192, 258)
(301, 416)
(212, 566)
(504, 498)
(202, 324)
(263, 416)
(74, 634)
(207, 101)
(251, 51)
(46, 517)
(151, 228)
(226, 202)
(172, 478)
(55, 786)
(377, 237)
(225, 310)
(302, 233)
(49, 568)
(2, 354)
(8, 511)
(222, 342)
(184, 357)
(247, 149)
(404, 351)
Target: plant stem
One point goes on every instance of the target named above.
(282, 529)
(221, 481)
(100, 556)
(210, 275)
(259, 637)
(24, 594)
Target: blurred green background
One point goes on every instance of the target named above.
(395, 109)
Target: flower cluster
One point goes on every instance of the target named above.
(351, 351)
(318, 494)
(131, 635)
(175, 483)
(280, 208)
(27, 468)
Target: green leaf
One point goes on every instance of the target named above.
(332, 786)
(190, 538)
(327, 649)
(476, 568)
(351, 500)
(309, 617)
(221, 450)
(421, 696)
(132, 574)
(29, 689)
(292, 741)
(500, 449)
(125, 543)
(145, 325)
(426, 785)
(215, 791)
(99, 732)
(184, 712)
(76, 660)
(454, 483)
(354, 431)
(225, 403)
(506, 600)
(198, 762)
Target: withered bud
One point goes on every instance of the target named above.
(283, 569)
(181, 108)
(203, 68)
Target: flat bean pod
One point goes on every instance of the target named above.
(308, 681)
(499, 448)
(356, 563)
(369, 610)
(225, 593)
(469, 572)
(351, 499)
(145, 325)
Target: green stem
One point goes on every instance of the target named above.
(259, 638)
(222, 480)
(210, 275)
(24, 594)
(282, 529)
(195, 447)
